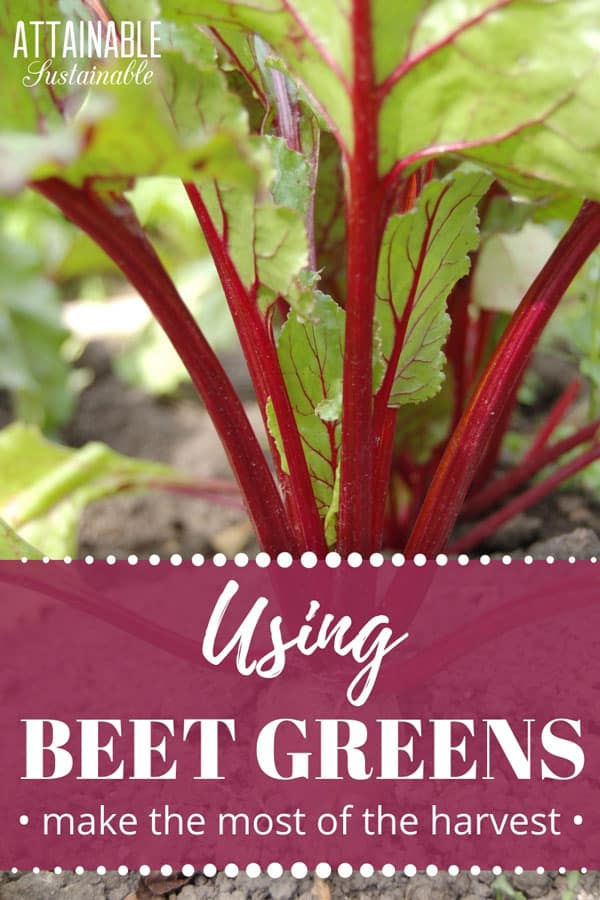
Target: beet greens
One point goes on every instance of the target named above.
(340, 157)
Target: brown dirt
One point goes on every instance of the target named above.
(179, 432)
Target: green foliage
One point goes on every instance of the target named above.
(149, 359)
(424, 253)
(14, 547)
(287, 29)
(511, 87)
(123, 131)
(576, 330)
(330, 224)
(423, 427)
(33, 367)
(46, 487)
(573, 879)
(504, 889)
(311, 355)
(538, 93)
(541, 105)
(265, 234)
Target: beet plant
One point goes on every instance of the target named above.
(341, 157)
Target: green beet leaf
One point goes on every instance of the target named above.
(514, 83)
(185, 122)
(312, 36)
(521, 75)
(46, 487)
(424, 253)
(14, 547)
(311, 358)
(265, 233)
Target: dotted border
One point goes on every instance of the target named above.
(309, 560)
(300, 870)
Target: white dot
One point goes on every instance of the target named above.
(176, 559)
(262, 560)
(398, 559)
(453, 871)
(333, 559)
(507, 559)
(419, 559)
(23, 820)
(431, 870)
(111, 559)
(462, 559)
(101, 870)
(132, 559)
(388, 870)
(45, 559)
(376, 560)
(496, 870)
(68, 560)
(123, 871)
(344, 870)
(284, 560)
(165, 870)
(367, 870)
(578, 819)
(275, 870)
(36, 870)
(241, 560)
(518, 870)
(79, 870)
(475, 870)
(89, 560)
(309, 559)
(187, 870)
(593, 559)
(154, 559)
(253, 870)
(410, 871)
(209, 870)
(571, 559)
(354, 560)
(298, 870)
(197, 559)
(323, 870)
(57, 870)
(14, 870)
(583, 870)
(231, 870)
(144, 871)
(484, 559)
(219, 560)
(561, 870)
(540, 870)
(528, 560)
(441, 559)
(549, 560)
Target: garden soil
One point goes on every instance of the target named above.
(179, 432)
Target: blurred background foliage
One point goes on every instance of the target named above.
(59, 290)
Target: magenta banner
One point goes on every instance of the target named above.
(214, 714)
